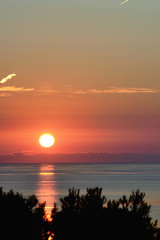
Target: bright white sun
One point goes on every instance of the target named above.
(46, 140)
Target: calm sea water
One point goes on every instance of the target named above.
(49, 182)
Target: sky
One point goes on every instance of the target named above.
(85, 71)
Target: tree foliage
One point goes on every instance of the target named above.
(92, 216)
(22, 218)
(87, 217)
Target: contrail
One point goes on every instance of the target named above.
(124, 2)
(8, 78)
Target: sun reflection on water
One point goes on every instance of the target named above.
(46, 173)
(46, 190)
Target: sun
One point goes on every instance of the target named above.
(46, 140)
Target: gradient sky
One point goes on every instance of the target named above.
(85, 71)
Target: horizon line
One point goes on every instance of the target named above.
(74, 153)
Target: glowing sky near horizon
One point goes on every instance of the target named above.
(85, 71)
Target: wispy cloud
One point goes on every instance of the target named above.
(7, 91)
(123, 2)
(112, 90)
(123, 90)
(12, 89)
(9, 77)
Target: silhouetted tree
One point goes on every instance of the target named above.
(91, 216)
(92, 201)
(70, 203)
(21, 218)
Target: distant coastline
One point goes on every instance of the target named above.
(82, 158)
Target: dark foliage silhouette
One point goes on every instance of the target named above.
(20, 218)
(86, 217)
(91, 216)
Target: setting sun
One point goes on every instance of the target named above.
(46, 140)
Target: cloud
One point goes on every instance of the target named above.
(8, 90)
(15, 89)
(123, 2)
(112, 90)
(9, 77)
(123, 90)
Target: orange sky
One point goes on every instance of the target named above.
(85, 71)
(81, 123)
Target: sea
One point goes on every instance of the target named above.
(50, 182)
